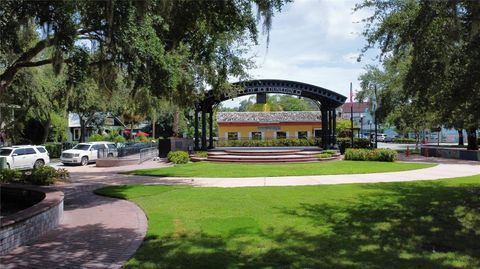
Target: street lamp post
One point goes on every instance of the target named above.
(375, 117)
(361, 125)
(370, 132)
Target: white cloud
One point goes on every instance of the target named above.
(333, 78)
(316, 42)
(351, 57)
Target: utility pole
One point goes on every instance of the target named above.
(351, 112)
(375, 115)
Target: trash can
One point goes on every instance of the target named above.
(3, 163)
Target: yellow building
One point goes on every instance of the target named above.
(269, 125)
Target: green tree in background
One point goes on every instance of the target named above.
(276, 102)
(441, 40)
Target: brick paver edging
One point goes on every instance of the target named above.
(33, 222)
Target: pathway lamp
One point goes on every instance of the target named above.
(361, 125)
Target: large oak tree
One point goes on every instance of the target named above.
(443, 40)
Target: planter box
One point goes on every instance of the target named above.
(450, 153)
(172, 144)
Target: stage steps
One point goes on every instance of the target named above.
(259, 155)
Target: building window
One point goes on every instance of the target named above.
(281, 135)
(76, 134)
(256, 135)
(302, 134)
(317, 133)
(232, 136)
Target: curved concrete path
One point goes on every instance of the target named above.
(437, 172)
(101, 232)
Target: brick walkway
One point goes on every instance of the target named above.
(101, 232)
(96, 232)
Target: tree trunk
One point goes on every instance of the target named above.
(472, 138)
(131, 130)
(83, 130)
(417, 140)
(154, 119)
(176, 122)
(460, 137)
(83, 126)
(46, 130)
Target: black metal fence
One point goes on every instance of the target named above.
(127, 149)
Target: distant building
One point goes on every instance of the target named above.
(102, 121)
(362, 116)
(269, 125)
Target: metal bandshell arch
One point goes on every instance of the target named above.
(327, 99)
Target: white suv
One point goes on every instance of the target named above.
(25, 157)
(85, 153)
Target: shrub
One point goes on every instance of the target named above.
(344, 143)
(324, 155)
(330, 151)
(44, 175)
(118, 139)
(387, 155)
(288, 142)
(404, 140)
(97, 137)
(201, 154)
(382, 155)
(54, 149)
(9, 175)
(178, 157)
(62, 174)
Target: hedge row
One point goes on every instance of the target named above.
(344, 143)
(44, 175)
(178, 157)
(55, 148)
(382, 155)
(110, 137)
(289, 142)
(201, 154)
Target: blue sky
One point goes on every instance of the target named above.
(316, 42)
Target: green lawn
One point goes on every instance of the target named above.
(423, 224)
(208, 169)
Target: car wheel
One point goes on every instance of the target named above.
(38, 163)
(110, 155)
(84, 160)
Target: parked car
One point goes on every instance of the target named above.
(388, 139)
(25, 157)
(85, 153)
(381, 137)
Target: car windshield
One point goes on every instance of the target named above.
(82, 147)
(5, 152)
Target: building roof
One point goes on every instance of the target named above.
(269, 117)
(357, 107)
(74, 119)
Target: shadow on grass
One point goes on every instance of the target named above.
(426, 225)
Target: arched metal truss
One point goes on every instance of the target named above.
(327, 99)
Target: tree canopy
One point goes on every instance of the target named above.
(123, 56)
(173, 48)
(438, 44)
